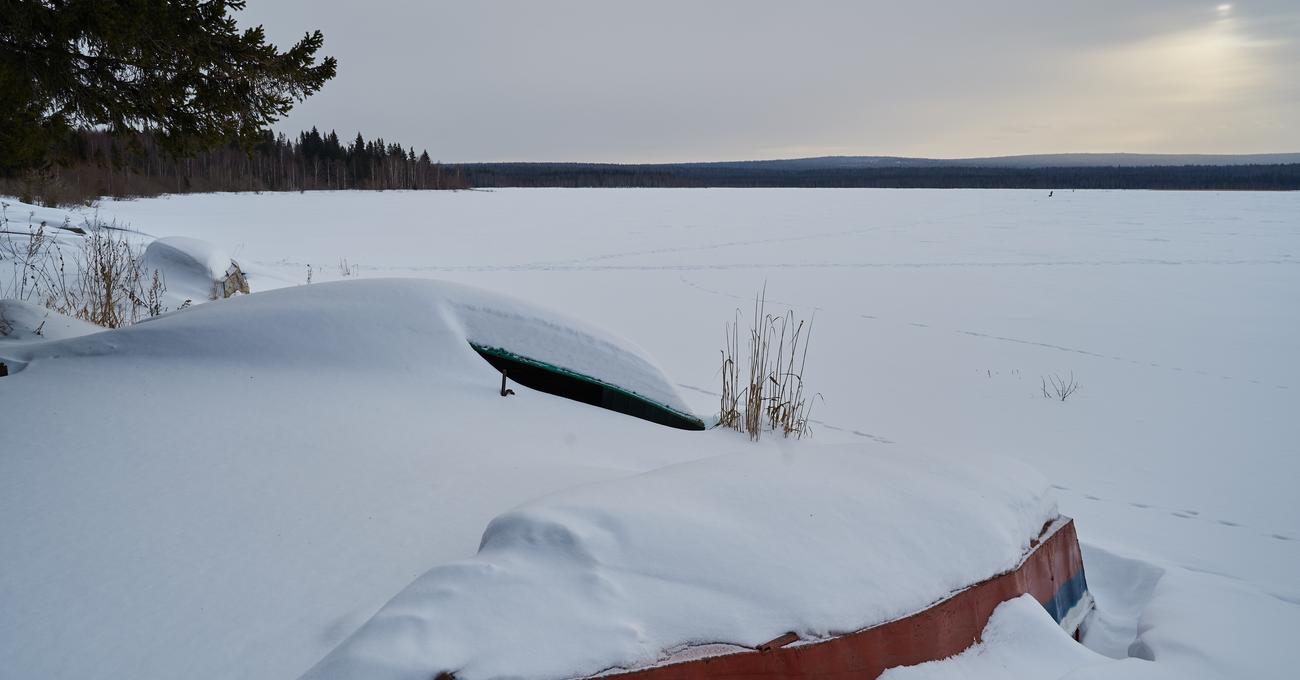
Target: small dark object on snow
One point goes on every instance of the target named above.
(4, 370)
(505, 392)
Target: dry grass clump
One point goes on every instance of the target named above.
(107, 284)
(110, 288)
(28, 250)
(772, 397)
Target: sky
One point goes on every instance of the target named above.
(672, 80)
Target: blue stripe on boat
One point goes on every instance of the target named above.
(1068, 595)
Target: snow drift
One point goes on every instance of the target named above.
(735, 549)
(26, 322)
(229, 490)
(361, 324)
(1020, 641)
(193, 270)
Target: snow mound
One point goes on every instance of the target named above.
(736, 549)
(229, 491)
(191, 268)
(357, 325)
(1200, 625)
(1020, 641)
(1189, 626)
(382, 323)
(24, 321)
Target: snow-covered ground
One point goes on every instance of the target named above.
(938, 315)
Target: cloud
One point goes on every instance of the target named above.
(678, 80)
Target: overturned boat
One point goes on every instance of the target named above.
(1052, 572)
(803, 562)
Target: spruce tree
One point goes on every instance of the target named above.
(180, 68)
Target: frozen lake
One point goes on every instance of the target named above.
(938, 317)
(938, 313)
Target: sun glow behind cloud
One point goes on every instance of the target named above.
(1204, 65)
(1203, 87)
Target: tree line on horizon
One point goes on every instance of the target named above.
(1278, 177)
(99, 163)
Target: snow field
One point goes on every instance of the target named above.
(937, 315)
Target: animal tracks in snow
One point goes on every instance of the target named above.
(591, 264)
(1179, 513)
(1008, 339)
(1111, 357)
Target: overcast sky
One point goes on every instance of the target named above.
(669, 80)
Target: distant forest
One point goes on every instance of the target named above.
(102, 164)
(1184, 177)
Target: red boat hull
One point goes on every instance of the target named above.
(1052, 573)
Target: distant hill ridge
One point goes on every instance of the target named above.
(1054, 160)
(1187, 172)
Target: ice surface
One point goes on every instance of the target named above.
(735, 549)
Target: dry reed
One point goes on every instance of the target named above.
(107, 286)
(773, 397)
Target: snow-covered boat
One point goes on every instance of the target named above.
(1052, 572)
(803, 562)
